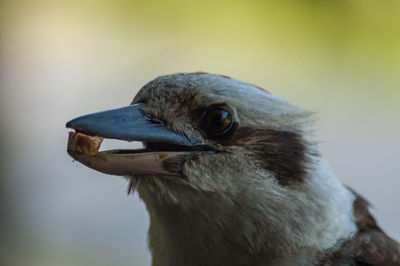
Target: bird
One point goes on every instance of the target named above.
(230, 175)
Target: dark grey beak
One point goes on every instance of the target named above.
(130, 124)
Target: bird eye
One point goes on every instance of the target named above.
(217, 121)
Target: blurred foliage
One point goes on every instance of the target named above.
(357, 38)
(356, 29)
(52, 49)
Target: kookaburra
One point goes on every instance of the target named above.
(230, 176)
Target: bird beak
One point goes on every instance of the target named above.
(129, 124)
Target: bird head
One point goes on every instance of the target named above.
(225, 154)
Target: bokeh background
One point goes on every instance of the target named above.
(60, 59)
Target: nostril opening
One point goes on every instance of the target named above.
(155, 121)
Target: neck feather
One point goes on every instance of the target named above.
(268, 222)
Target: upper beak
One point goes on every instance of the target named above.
(129, 123)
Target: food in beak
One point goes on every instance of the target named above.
(83, 143)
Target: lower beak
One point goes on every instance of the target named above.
(169, 150)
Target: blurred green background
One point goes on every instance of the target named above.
(60, 59)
